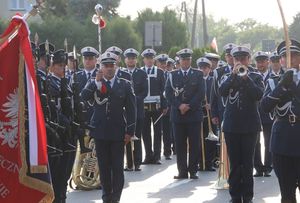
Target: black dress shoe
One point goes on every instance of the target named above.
(267, 174)
(210, 169)
(193, 176)
(158, 162)
(147, 161)
(137, 168)
(181, 176)
(168, 157)
(115, 201)
(235, 201)
(258, 174)
(128, 169)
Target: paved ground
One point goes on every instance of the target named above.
(155, 184)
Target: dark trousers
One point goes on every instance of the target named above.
(167, 135)
(240, 148)
(210, 147)
(287, 170)
(187, 132)
(151, 117)
(64, 171)
(137, 152)
(110, 156)
(267, 166)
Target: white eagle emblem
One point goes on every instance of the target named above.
(9, 129)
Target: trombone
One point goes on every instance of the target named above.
(223, 166)
(211, 136)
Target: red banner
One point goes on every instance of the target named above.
(24, 174)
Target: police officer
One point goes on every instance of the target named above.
(161, 62)
(244, 89)
(283, 100)
(114, 99)
(185, 92)
(209, 145)
(64, 118)
(170, 67)
(221, 63)
(276, 68)
(119, 72)
(216, 101)
(70, 68)
(170, 64)
(140, 87)
(89, 69)
(214, 59)
(44, 63)
(262, 64)
(155, 106)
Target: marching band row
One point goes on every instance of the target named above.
(186, 107)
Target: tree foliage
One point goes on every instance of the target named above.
(295, 27)
(121, 32)
(79, 9)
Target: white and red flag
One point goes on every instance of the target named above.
(24, 174)
(214, 45)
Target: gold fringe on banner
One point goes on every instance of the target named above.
(24, 179)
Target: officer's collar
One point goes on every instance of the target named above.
(187, 71)
(41, 71)
(131, 70)
(112, 81)
(56, 77)
(148, 67)
(205, 77)
(265, 74)
(91, 71)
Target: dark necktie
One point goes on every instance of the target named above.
(185, 77)
(89, 76)
(149, 71)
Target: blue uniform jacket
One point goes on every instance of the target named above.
(115, 117)
(216, 101)
(283, 103)
(241, 112)
(140, 87)
(192, 94)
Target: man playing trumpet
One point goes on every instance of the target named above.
(244, 88)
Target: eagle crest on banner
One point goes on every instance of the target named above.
(9, 129)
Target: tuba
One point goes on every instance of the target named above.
(85, 173)
(223, 166)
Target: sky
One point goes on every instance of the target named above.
(264, 11)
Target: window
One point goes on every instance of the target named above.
(17, 4)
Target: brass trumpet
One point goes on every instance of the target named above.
(242, 70)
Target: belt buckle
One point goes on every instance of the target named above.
(292, 119)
